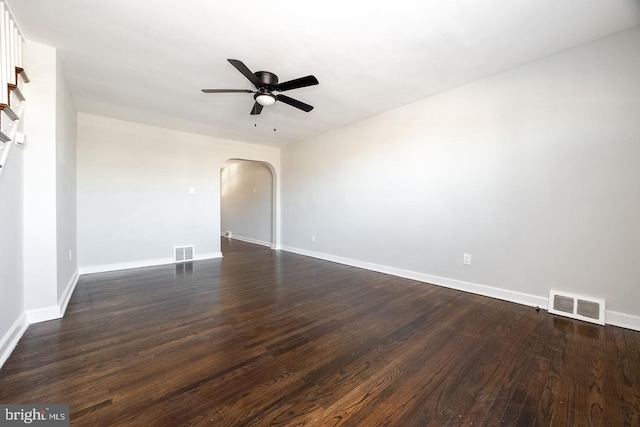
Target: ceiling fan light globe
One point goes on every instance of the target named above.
(265, 99)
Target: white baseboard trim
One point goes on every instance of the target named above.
(474, 288)
(623, 320)
(124, 265)
(250, 240)
(210, 255)
(10, 339)
(43, 314)
(141, 264)
(68, 291)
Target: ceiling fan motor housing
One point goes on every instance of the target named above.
(269, 80)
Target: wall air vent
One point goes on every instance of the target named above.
(578, 307)
(183, 253)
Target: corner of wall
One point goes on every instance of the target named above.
(68, 291)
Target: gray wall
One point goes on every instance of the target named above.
(134, 203)
(247, 201)
(533, 171)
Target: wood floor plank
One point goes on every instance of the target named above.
(435, 392)
(622, 384)
(264, 337)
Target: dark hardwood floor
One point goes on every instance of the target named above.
(273, 338)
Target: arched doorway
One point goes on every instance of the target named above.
(247, 201)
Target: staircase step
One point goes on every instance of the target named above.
(15, 89)
(23, 74)
(9, 112)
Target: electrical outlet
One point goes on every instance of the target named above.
(466, 259)
(313, 237)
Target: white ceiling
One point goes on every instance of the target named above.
(146, 60)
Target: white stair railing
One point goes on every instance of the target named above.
(12, 76)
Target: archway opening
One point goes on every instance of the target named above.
(247, 202)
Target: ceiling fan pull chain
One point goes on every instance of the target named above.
(275, 121)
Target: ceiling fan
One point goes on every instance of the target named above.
(266, 83)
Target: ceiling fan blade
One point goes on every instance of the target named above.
(257, 109)
(246, 72)
(227, 91)
(295, 84)
(294, 103)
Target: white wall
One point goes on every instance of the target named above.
(533, 171)
(40, 264)
(49, 186)
(247, 201)
(133, 200)
(66, 125)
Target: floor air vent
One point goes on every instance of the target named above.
(183, 253)
(577, 307)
